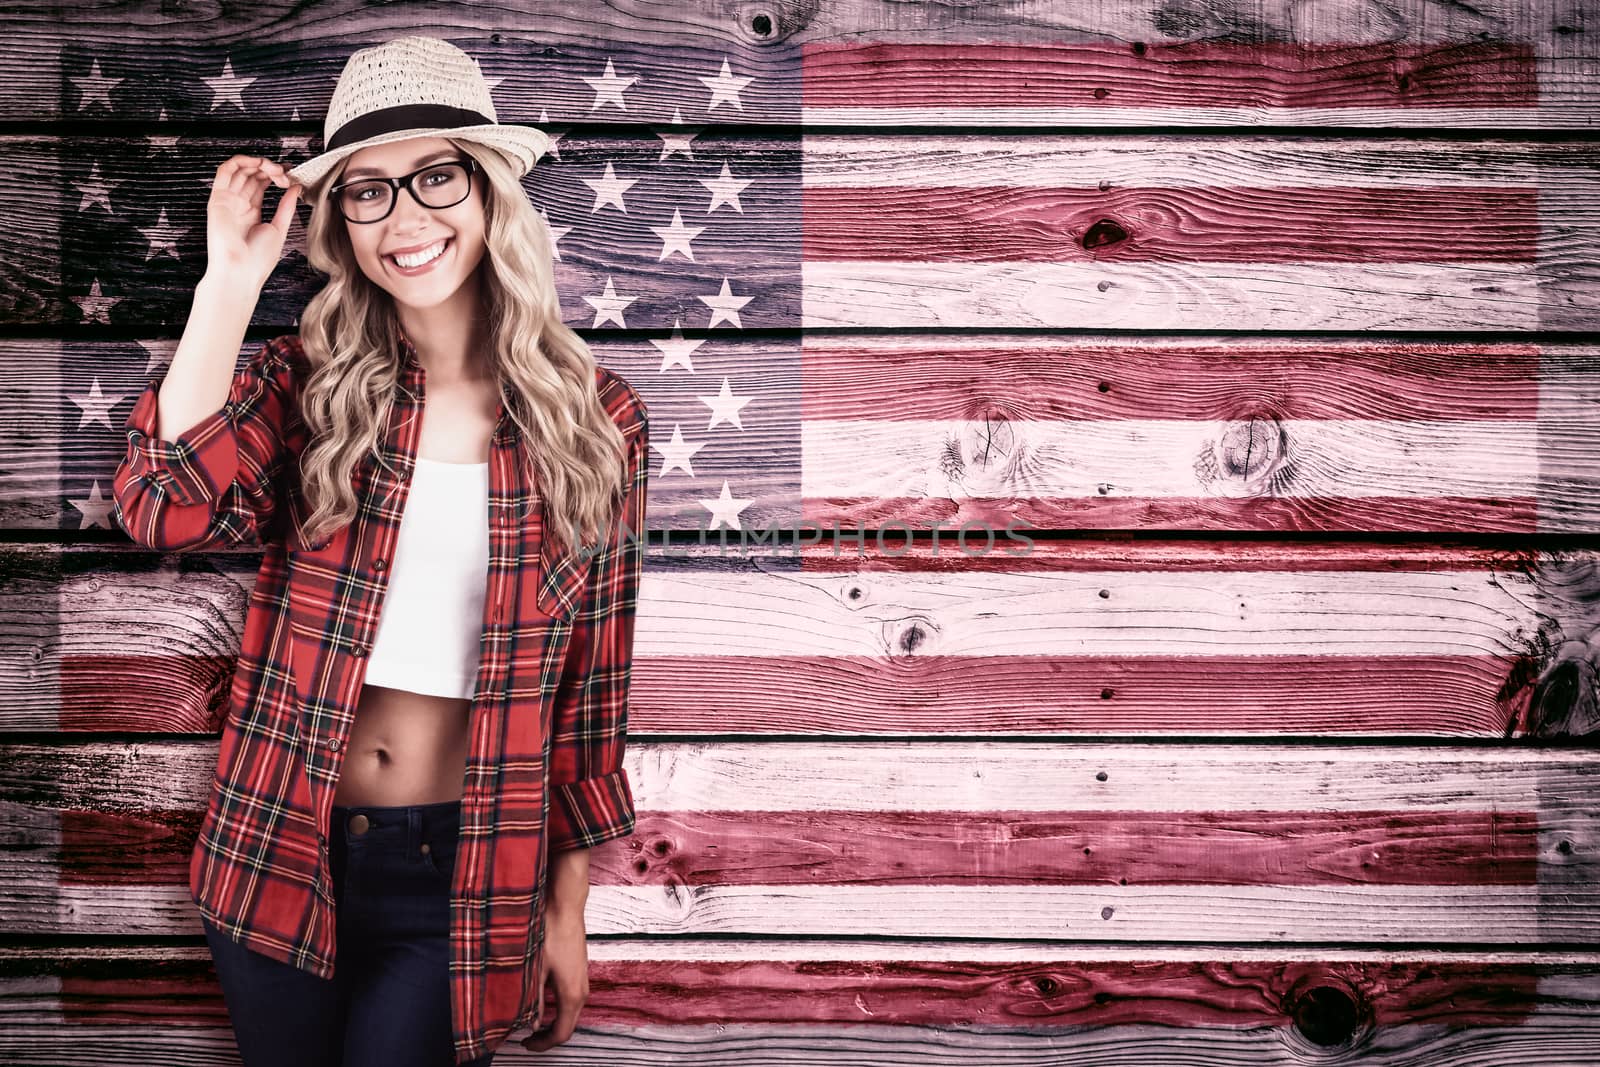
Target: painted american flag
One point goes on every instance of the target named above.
(956, 802)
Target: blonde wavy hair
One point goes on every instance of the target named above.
(545, 372)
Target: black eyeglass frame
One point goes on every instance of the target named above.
(397, 184)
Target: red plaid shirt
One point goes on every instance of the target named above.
(549, 715)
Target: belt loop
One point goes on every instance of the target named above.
(413, 831)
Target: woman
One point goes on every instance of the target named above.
(394, 858)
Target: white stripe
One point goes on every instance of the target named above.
(1107, 459)
(1460, 915)
(1197, 114)
(1159, 296)
(901, 161)
(880, 775)
(969, 611)
(1457, 914)
(740, 951)
(986, 776)
(743, 950)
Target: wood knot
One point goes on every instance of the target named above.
(1250, 447)
(907, 635)
(912, 638)
(1328, 1015)
(1564, 702)
(1103, 234)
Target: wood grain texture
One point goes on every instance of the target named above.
(1060, 433)
(1132, 799)
(978, 993)
(736, 842)
(1412, 63)
(1076, 637)
(1030, 231)
(1562, 1041)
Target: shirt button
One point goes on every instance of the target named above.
(379, 564)
(359, 650)
(333, 744)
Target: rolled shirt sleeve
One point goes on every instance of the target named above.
(215, 483)
(593, 799)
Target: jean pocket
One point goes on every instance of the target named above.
(441, 859)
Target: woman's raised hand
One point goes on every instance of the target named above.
(239, 246)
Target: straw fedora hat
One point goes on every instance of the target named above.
(415, 87)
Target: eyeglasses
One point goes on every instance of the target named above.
(438, 185)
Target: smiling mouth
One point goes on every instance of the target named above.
(443, 251)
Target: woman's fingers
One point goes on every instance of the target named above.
(242, 172)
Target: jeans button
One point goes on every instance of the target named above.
(359, 824)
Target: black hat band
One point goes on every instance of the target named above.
(405, 117)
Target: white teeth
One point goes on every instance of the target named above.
(419, 258)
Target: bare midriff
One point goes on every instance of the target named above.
(411, 748)
(405, 748)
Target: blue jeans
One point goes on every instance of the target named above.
(388, 1003)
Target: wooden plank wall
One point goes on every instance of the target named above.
(1269, 322)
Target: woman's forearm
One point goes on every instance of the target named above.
(569, 881)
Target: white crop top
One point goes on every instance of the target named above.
(431, 622)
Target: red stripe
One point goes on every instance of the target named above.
(1122, 848)
(1028, 378)
(1054, 695)
(1237, 74)
(1112, 848)
(126, 847)
(1213, 224)
(1023, 997)
(1112, 552)
(1434, 514)
(1037, 995)
(1005, 695)
(117, 692)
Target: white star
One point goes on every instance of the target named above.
(95, 188)
(676, 237)
(96, 510)
(556, 234)
(725, 407)
(554, 151)
(228, 87)
(608, 305)
(676, 453)
(295, 239)
(164, 144)
(95, 306)
(725, 87)
(608, 88)
(163, 236)
(296, 144)
(609, 189)
(724, 305)
(160, 351)
(676, 349)
(725, 189)
(95, 88)
(726, 508)
(672, 143)
(96, 406)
